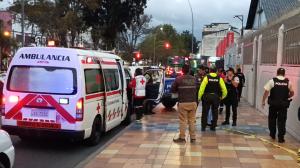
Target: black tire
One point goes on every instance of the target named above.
(95, 137)
(2, 165)
(128, 118)
(167, 101)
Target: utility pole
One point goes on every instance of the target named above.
(241, 18)
(192, 26)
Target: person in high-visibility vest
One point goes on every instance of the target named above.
(138, 86)
(212, 90)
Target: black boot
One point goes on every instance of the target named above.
(225, 123)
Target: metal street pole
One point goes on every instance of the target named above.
(241, 18)
(22, 22)
(192, 25)
(154, 50)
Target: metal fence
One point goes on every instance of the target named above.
(269, 49)
(291, 51)
(248, 53)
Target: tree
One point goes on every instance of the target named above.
(186, 38)
(107, 18)
(153, 46)
(6, 44)
(61, 18)
(128, 38)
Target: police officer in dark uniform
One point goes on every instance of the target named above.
(231, 101)
(280, 91)
(212, 89)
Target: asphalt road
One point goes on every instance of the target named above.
(53, 154)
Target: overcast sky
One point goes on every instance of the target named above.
(177, 13)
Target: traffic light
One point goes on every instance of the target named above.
(137, 56)
(167, 45)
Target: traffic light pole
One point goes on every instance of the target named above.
(192, 26)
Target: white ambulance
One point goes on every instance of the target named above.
(60, 92)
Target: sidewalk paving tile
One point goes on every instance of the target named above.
(149, 144)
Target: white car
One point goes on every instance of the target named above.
(7, 151)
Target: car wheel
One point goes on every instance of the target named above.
(167, 101)
(2, 165)
(95, 137)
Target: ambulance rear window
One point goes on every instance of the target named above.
(50, 80)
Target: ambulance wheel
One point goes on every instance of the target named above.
(95, 137)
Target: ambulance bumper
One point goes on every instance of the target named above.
(44, 133)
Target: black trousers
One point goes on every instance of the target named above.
(277, 117)
(240, 90)
(234, 112)
(210, 101)
(138, 107)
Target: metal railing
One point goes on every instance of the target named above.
(291, 51)
(248, 53)
(269, 49)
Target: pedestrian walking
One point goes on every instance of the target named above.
(211, 91)
(138, 86)
(279, 90)
(231, 101)
(241, 84)
(185, 87)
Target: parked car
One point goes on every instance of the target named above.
(7, 151)
(154, 88)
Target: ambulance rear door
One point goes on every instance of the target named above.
(113, 95)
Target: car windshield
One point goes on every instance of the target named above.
(51, 80)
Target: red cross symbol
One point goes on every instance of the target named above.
(98, 108)
(142, 81)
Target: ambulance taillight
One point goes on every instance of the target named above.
(2, 107)
(13, 99)
(79, 110)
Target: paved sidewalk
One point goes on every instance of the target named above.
(149, 145)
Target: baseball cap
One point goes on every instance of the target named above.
(280, 71)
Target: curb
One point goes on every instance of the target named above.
(94, 154)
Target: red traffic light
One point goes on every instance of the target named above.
(137, 55)
(167, 45)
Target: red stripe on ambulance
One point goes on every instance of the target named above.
(12, 112)
(60, 109)
(15, 111)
